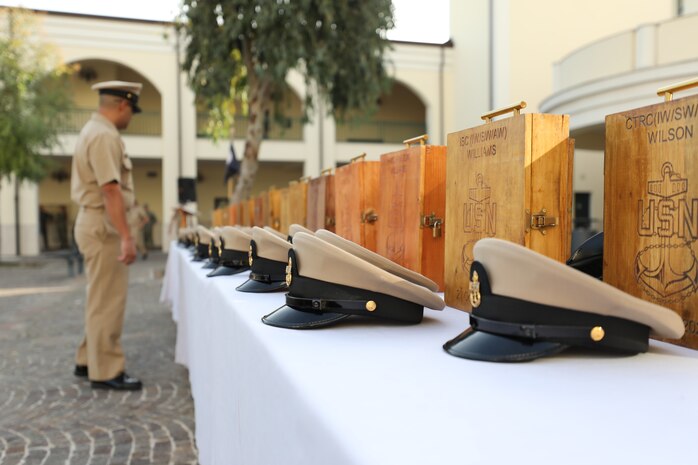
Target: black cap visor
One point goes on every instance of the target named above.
(266, 276)
(261, 286)
(288, 317)
(210, 265)
(479, 345)
(227, 271)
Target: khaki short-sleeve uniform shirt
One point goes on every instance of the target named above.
(100, 158)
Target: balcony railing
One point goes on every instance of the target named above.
(289, 129)
(142, 124)
(385, 132)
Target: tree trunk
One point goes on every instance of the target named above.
(260, 94)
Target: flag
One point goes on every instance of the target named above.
(232, 165)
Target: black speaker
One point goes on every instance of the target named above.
(186, 188)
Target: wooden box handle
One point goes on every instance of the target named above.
(421, 139)
(358, 157)
(516, 108)
(668, 91)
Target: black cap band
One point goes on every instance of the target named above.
(124, 94)
(510, 317)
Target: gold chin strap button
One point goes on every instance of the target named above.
(475, 297)
(371, 305)
(597, 333)
(289, 276)
(249, 256)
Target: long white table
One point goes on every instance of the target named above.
(385, 394)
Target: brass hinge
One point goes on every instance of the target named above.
(369, 216)
(329, 221)
(432, 222)
(540, 221)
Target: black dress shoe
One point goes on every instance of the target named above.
(123, 382)
(80, 370)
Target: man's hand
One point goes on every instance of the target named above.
(128, 251)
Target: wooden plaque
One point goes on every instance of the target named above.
(274, 219)
(234, 214)
(298, 202)
(217, 217)
(510, 179)
(321, 206)
(284, 210)
(356, 202)
(247, 215)
(261, 205)
(413, 208)
(651, 207)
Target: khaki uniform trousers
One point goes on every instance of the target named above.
(107, 286)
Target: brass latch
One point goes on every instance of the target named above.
(432, 222)
(369, 216)
(540, 221)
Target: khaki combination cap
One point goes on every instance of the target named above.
(233, 257)
(375, 259)
(296, 228)
(527, 306)
(268, 253)
(129, 91)
(235, 239)
(328, 284)
(206, 236)
(272, 230)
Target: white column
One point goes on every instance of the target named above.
(29, 218)
(311, 140)
(501, 69)
(329, 141)
(7, 216)
(177, 115)
(645, 46)
(470, 32)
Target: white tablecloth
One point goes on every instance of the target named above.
(383, 394)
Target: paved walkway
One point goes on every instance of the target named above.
(47, 415)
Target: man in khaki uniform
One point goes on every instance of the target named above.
(102, 185)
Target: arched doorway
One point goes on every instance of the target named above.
(401, 115)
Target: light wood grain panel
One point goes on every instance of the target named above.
(275, 208)
(651, 207)
(495, 173)
(401, 201)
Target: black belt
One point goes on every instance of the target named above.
(356, 307)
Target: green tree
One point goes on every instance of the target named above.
(243, 50)
(33, 97)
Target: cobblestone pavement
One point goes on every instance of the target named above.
(47, 415)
